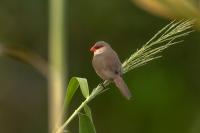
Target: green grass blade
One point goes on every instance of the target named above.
(88, 112)
(83, 86)
(74, 83)
(85, 124)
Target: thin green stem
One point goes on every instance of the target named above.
(94, 93)
(60, 130)
(98, 90)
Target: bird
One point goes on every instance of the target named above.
(108, 66)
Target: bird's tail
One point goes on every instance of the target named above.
(119, 82)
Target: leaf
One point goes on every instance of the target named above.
(84, 86)
(88, 111)
(73, 86)
(85, 124)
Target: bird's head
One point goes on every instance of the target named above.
(99, 47)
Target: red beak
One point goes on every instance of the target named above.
(92, 49)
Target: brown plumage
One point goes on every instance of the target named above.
(108, 66)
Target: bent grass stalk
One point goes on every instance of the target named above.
(160, 41)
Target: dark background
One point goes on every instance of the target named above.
(166, 91)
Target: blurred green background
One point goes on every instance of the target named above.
(166, 91)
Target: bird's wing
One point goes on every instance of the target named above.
(113, 63)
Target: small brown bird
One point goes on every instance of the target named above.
(108, 66)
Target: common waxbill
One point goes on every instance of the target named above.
(108, 66)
